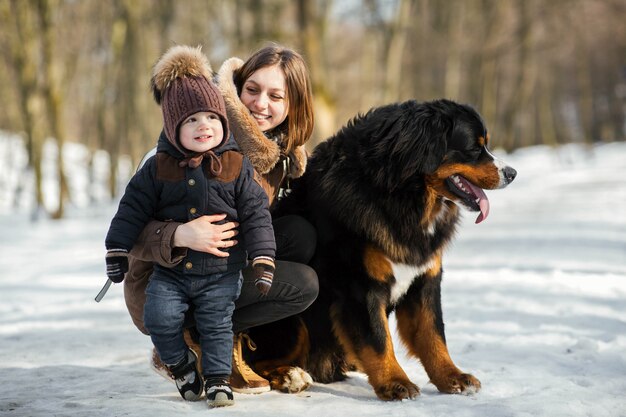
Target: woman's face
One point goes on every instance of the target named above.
(264, 93)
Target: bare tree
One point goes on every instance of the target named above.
(393, 33)
(312, 20)
(79, 71)
(165, 11)
(23, 56)
(52, 92)
(492, 12)
(455, 47)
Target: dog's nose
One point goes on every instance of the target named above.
(509, 174)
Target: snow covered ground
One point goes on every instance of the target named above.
(534, 301)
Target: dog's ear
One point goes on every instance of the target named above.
(421, 142)
(402, 140)
(425, 130)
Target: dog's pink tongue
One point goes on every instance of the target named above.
(483, 202)
(484, 210)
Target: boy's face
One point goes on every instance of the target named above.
(201, 132)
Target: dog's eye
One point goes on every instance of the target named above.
(475, 153)
(458, 142)
(464, 147)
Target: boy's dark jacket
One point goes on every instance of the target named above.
(163, 190)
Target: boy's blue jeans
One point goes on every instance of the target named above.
(213, 297)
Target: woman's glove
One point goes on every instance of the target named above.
(263, 267)
(117, 264)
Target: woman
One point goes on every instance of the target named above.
(269, 106)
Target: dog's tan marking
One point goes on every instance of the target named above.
(435, 267)
(484, 176)
(432, 205)
(385, 374)
(419, 332)
(377, 232)
(376, 264)
(418, 329)
(343, 338)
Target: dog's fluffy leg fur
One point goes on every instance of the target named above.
(372, 351)
(420, 324)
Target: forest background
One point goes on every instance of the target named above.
(77, 72)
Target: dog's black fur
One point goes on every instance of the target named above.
(381, 193)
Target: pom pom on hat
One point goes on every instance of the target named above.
(177, 62)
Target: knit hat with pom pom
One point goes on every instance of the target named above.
(181, 84)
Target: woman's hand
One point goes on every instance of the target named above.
(203, 235)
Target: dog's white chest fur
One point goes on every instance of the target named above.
(405, 275)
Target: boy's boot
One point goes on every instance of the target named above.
(218, 392)
(188, 378)
(243, 379)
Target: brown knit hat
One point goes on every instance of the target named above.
(181, 84)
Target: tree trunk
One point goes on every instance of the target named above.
(454, 56)
(166, 13)
(517, 118)
(489, 66)
(395, 51)
(421, 74)
(121, 110)
(53, 97)
(23, 49)
(369, 53)
(134, 127)
(545, 113)
(584, 84)
(312, 28)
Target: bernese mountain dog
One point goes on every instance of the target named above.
(384, 194)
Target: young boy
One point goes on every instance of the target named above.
(196, 171)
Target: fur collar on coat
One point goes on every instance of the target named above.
(263, 152)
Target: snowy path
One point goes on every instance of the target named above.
(534, 300)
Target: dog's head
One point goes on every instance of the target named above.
(442, 142)
(467, 167)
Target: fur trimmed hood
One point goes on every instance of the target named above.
(263, 152)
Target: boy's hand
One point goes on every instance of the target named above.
(263, 267)
(117, 264)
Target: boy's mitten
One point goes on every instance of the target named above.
(117, 264)
(263, 267)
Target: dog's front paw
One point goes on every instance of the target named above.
(289, 379)
(397, 390)
(459, 384)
